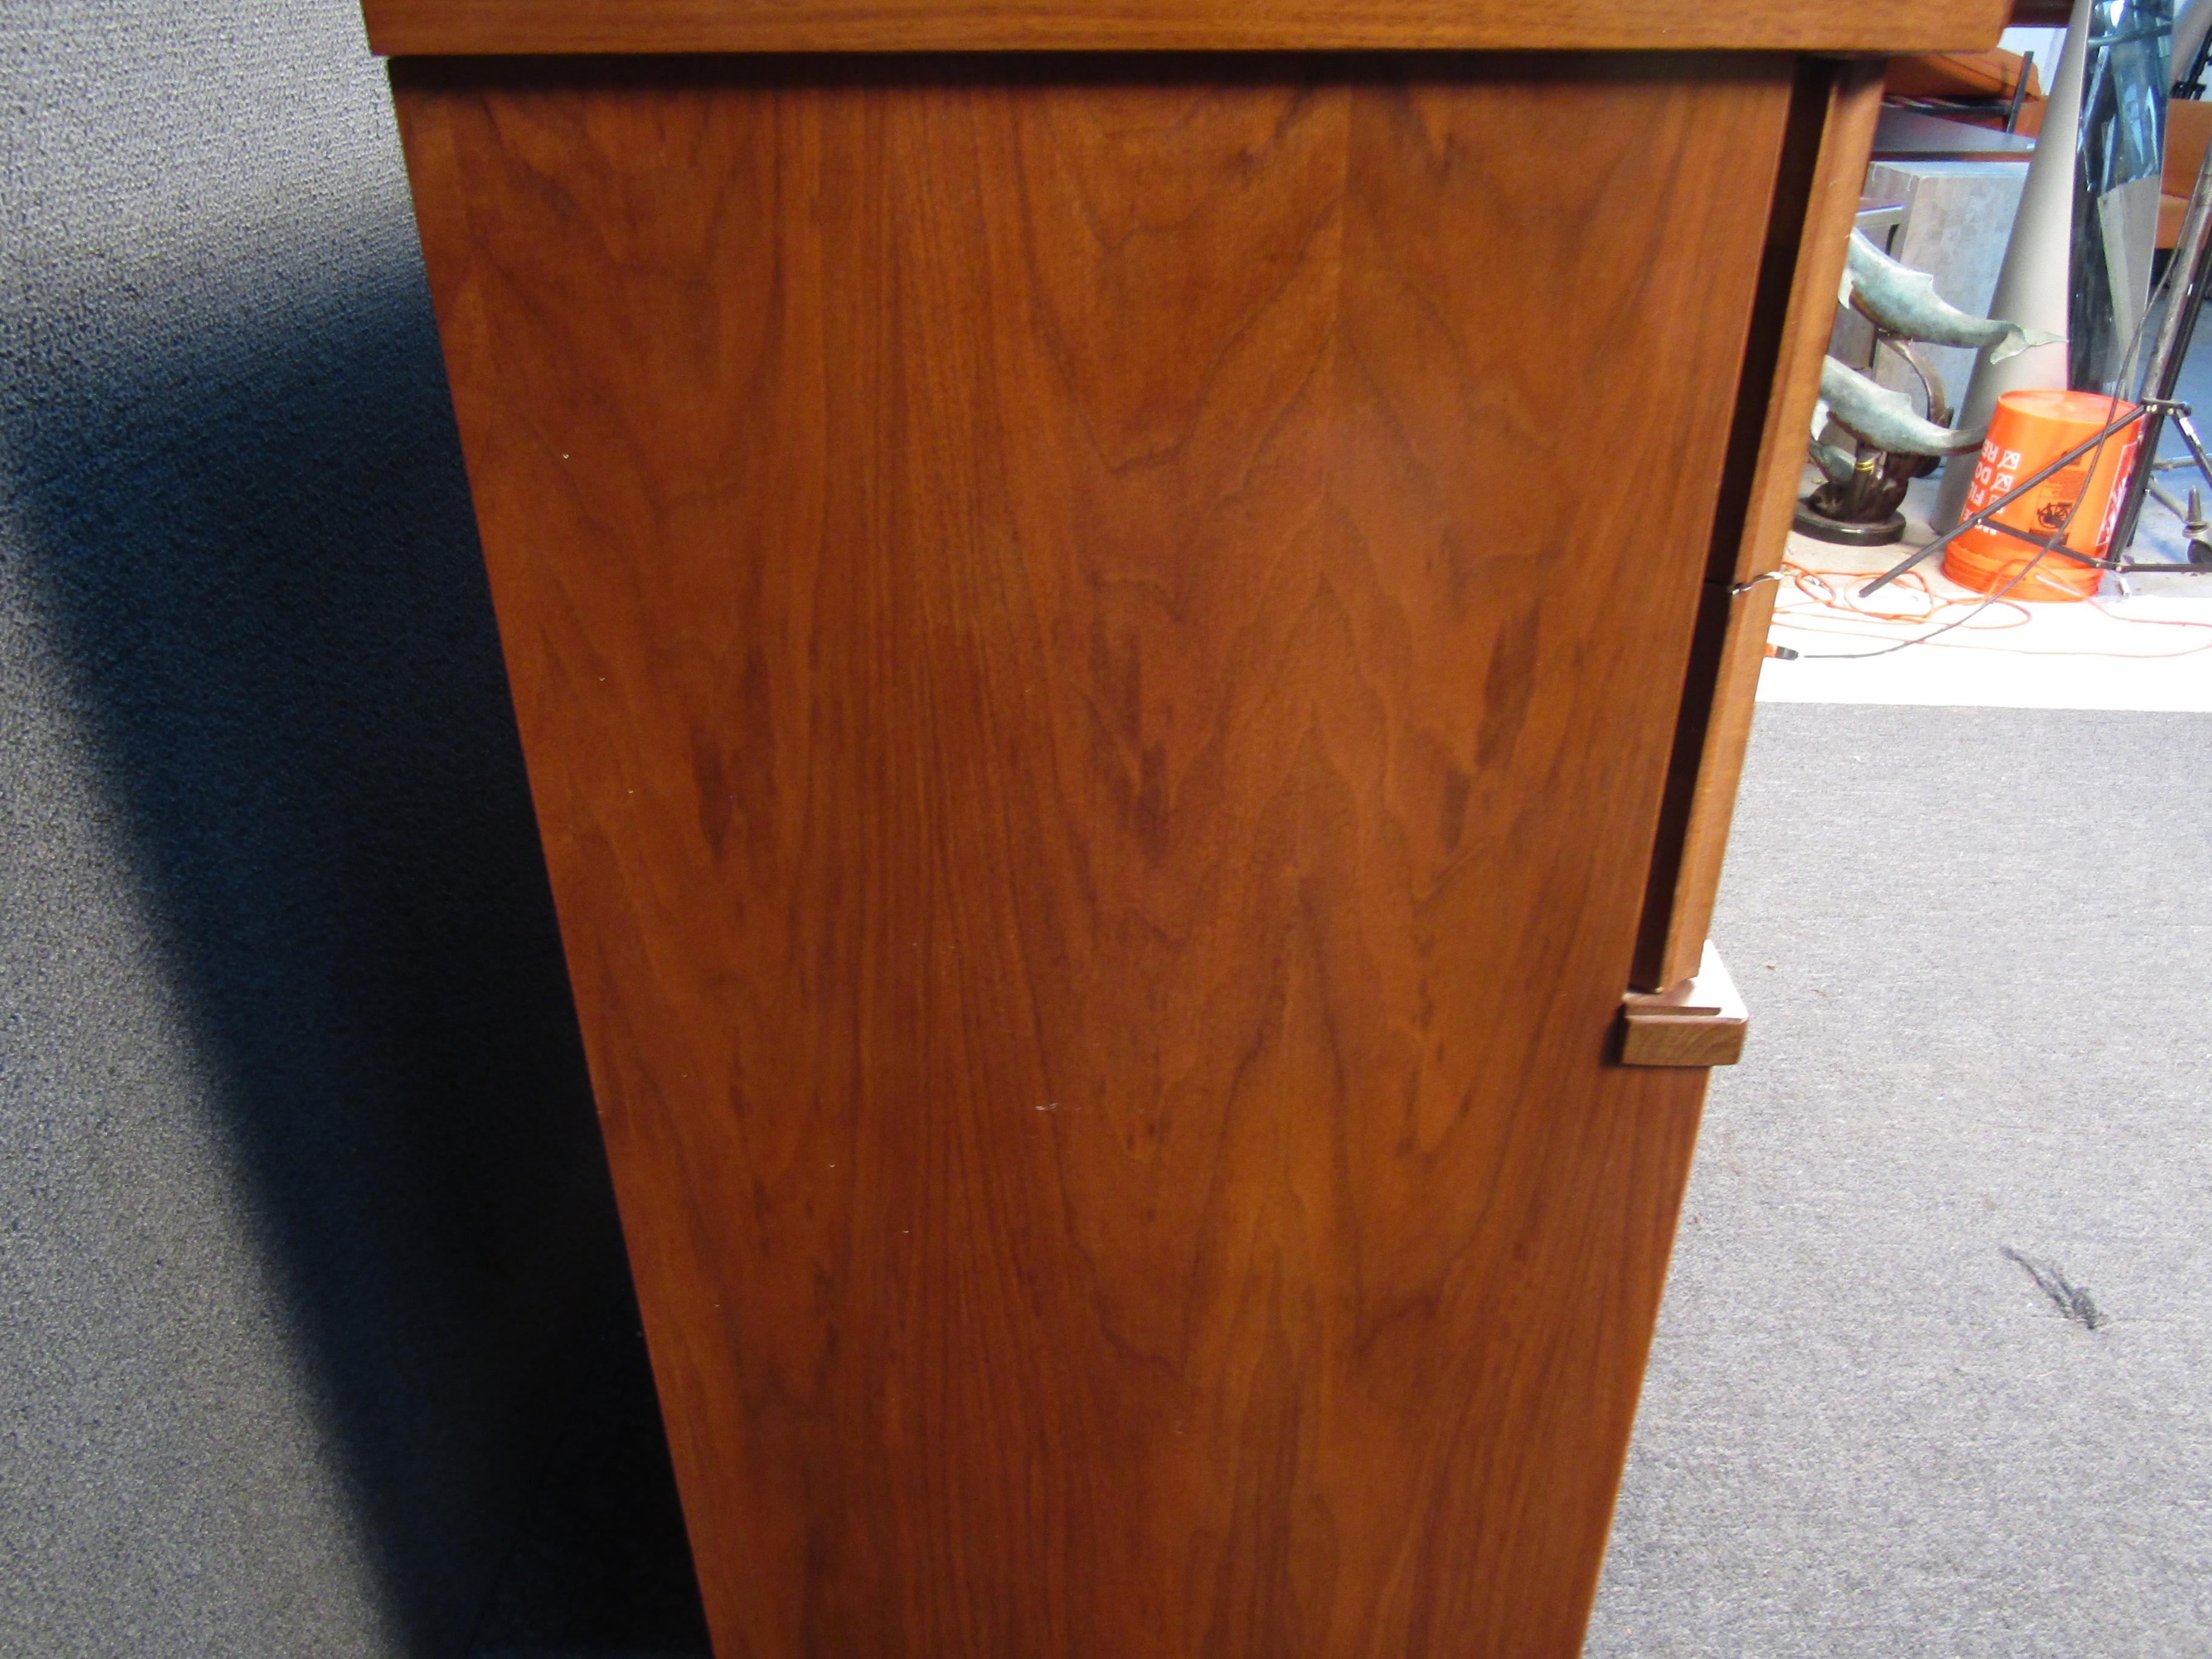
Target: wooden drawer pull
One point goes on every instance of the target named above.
(1700, 1021)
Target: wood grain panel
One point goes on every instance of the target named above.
(433, 27)
(1098, 739)
(1725, 740)
(1854, 106)
(1724, 734)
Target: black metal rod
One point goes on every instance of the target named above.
(2186, 277)
(2123, 37)
(2192, 82)
(2019, 92)
(2117, 566)
(2187, 428)
(1926, 548)
(2059, 548)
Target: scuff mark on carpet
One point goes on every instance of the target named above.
(2069, 1299)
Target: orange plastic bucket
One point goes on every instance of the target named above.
(2031, 430)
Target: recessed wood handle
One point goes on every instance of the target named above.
(1700, 1021)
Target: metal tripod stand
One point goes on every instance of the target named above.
(2187, 279)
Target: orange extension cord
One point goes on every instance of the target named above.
(1831, 595)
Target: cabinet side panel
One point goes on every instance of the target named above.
(1097, 645)
(1715, 728)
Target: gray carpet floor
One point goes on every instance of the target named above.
(1934, 1375)
(1976, 1092)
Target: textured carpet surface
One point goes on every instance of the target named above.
(303, 1225)
(303, 1232)
(1981, 1057)
(1934, 1375)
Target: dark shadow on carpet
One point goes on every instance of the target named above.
(603, 1570)
(254, 545)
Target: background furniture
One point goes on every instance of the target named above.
(1909, 135)
(1124, 649)
(1952, 220)
(2188, 134)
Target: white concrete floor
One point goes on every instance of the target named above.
(2150, 648)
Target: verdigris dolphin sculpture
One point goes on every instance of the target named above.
(1904, 301)
(1831, 461)
(1885, 418)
